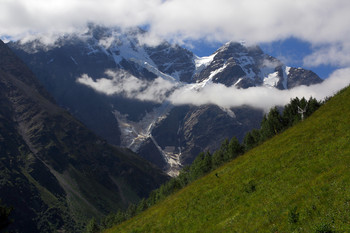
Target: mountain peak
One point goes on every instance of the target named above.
(237, 48)
(98, 32)
(244, 66)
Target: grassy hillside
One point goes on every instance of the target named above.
(297, 181)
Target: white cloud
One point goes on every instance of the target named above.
(122, 83)
(159, 90)
(333, 54)
(259, 97)
(320, 22)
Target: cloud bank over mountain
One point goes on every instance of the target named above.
(259, 97)
(122, 83)
(161, 90)
(323, 23)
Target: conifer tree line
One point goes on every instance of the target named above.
(274, 122)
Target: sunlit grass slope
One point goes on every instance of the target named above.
(297, 181)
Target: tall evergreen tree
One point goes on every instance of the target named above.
(312, 106)
(218, 158)
(234, 149)
(201, 165)
(251, 139)
(92, 226)
(290, 113)
(271, 124)
(4, 216)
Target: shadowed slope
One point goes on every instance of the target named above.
(54, 171)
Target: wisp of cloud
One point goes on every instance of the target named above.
(159, 90)
(258, 97)
(122, 83)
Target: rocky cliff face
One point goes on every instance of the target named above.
(189, 130)
(166, 135)
(173, 60)
(299, 76)
(54, 171)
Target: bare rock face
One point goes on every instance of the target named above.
(191, 130)
(173, 60)
(299, 76)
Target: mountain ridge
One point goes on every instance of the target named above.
(54, 171)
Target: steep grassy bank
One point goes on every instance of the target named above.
(297, 181)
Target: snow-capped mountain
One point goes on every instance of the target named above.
(118, 86)
(242, 66)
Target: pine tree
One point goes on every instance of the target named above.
(290, 113)
(142, 205)
(119, 217)
(218, 158)
(234, 149)
(184, 176)
(312, 106)
(251, 139)
(271, 124)
(131, 211)
(92, 226)
(4, 216)
(201, 165)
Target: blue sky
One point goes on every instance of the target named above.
(292, 52)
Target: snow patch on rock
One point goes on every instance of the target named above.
(272, 80)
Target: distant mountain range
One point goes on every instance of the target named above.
(56, 173)
(125, 110)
